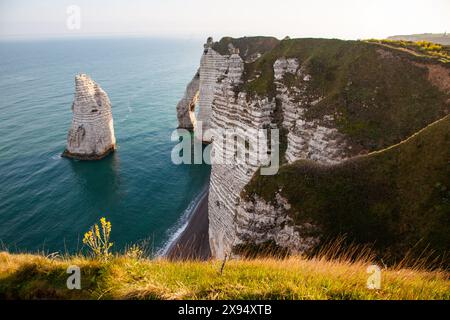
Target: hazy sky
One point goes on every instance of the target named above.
(346, 19)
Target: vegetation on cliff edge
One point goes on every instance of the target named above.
(397, 198)
(248, 47)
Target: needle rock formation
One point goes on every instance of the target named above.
(91, 136)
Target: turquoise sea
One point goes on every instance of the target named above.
(48, 202)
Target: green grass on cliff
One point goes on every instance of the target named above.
(439, 38)
(396, 198)
(248, 46)
(24, 276)
(421, 48)
(378, 95)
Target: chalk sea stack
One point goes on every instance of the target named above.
(91, 136)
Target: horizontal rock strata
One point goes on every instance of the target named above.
(91, 136)
(289, 96)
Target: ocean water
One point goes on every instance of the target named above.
(48, 202)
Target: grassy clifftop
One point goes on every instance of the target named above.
(441, 38)
(395, 198)
(36, 277)
(248, 46)
(378, 95)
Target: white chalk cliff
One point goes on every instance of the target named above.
(218, 91)
(231, 220)
(91, 135)
(200, 91)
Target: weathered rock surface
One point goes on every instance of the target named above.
(200, 91)
(232, 220)
(212, 65)
(91, 136)
(316, 139)
(225, 102)
(259, 222)
(228, 180)
(186, 106)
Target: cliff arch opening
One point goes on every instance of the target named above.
(186, 108)
(193, 109)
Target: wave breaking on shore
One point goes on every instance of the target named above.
(181, 225)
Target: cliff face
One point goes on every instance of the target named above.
(91, 135)
(331, 100)
(201, 91)
(186, 106)
(217, 60)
